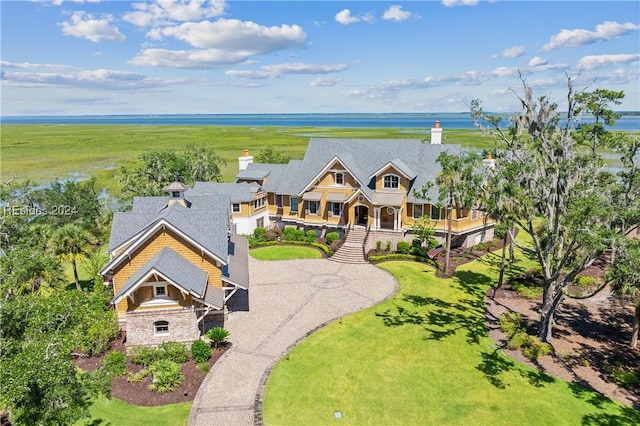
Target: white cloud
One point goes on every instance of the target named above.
(621, 76)
(278, 70)
(84, 25)
(395, 13)
(232, 35)
(344, 17)
(190, 59)
(537, 61)
(511, 52)
(505, 72)
(578, 37)
(596, 61)
(219, 43)
(32, 66)
(100, 79)
(325, 81)
(165, 12)
(454, 3)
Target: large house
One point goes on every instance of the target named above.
(174, 265)
(342, 183)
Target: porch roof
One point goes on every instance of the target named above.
(236, 272)
(388, 199)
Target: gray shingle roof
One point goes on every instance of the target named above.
(363, 157)
(204, 220)
(174, 268)
(237, 270)
(237, 192)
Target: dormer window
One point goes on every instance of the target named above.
(160, 290)
(339, 178)
(175, 194)
(391, 182)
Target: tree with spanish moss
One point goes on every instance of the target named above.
(553, 189)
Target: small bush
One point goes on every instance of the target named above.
(387, 247)
(584, 281)
(292, 234)
(518, 340)
(101, 331)
(274, 234)
(218, 336)
(174, 351)
(204, 367)
(624, 377)
(200, 351)
(166, 376)
(378, 246)
(311, 236)
(115, 363)
(260, 234)
(535, 348)
(137, 377)
(143, 355)
(511, 322)
(331, 237)
(404, 247)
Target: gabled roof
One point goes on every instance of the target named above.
(237, 192)
(192, 222)
(173, 268)
(236, 271)
(363, 158)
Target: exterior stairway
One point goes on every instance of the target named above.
(352, 250)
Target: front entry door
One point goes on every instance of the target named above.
(362, 214)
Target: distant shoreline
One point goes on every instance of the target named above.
(630, 120)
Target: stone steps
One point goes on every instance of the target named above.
(352, 249)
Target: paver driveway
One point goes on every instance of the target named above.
(287, 300)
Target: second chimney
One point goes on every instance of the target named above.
(245, 160)
(436, 134)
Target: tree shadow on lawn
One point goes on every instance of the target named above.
(495, 363)
(625, 416)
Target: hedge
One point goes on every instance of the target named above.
(399, 256)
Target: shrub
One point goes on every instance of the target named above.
(416, 243)
(584, 281)
(102, 330)
(331, 237)
(388, 246)
(218, 336)
(511, 322)
(260, 234)
(624, 377)
(311, 236)
(200, 351)
(273, 234)
(115, 363)
(535, 348)
(204, 367)
(173, 351)
(137, 377)
(292, 234)
(404, 247)
(143, 355)
(166, 376)
(378, 246)
(518, 340)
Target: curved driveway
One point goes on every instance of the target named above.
(287, 300)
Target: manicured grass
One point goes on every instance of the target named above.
(285, 253)
(45, 152)
(424, 357)
(113, 412)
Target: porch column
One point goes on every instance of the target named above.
(396, 219)
(376, 218)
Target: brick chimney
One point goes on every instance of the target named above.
(245, 160)
(436, 134)
(489, 162)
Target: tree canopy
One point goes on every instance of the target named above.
(553, 189)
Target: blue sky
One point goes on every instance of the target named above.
(200, 56)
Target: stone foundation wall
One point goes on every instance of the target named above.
(141, 329)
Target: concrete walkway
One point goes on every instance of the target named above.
(287, 300)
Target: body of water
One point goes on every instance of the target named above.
(398, 120)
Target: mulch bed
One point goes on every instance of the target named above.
(138, 393)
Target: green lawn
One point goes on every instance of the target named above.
(424, 357)
(285, 253)
(112, 412)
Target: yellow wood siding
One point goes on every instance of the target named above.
(403, 182)
(163, 238)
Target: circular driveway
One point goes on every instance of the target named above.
(287, 300)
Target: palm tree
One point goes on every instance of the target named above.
(71, 243)
(624, 276)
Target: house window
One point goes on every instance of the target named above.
(260, 222)
(339, 178)
(418, 211)
(313, 207)
(335, 209)
(161, 328)
(278, 200)
(236, 208)
(436, 213)
(259, 203)
(391, 182)
(160, 290)
(294, 204)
